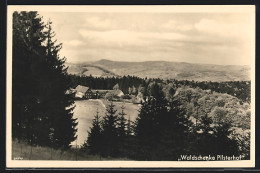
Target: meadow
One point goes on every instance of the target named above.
(24, 151)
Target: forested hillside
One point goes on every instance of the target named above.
(239, 89)
(163, 70)
(173, 122)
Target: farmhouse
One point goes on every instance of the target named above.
(83, 92)
(86, 92)
(97, 93)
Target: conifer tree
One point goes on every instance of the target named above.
(162, 130)
(28, 53)
(56, 86)
(94, 140)
(110, 133)
(41, 104)
(130, 141)
(175, 136)
(122, 123)
(122, 132)
(148, 124)
(129, 129)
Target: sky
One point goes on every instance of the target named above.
(209, 38)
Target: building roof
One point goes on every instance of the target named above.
(70, 91)
(81, 88)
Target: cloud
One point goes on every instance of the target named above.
(169, 24)
(126, 37)
(98, 23)
(199, 38)
(173, 25)
(218, 28)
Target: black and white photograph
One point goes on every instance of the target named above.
(131, 86)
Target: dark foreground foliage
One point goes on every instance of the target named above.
(163, 130)
(42, 110)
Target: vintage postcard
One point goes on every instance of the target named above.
(130, 86)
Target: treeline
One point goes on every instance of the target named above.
(165, 130)
(42, 110)
(239, 89)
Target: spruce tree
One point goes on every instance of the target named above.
(175, 133)
(162, 129)
(28, 53)
(41, 103)
(94, 141)
(122, 132)
(57, 86)
(110, 133)
(129, 129)
(143, 130)
(148, 124)
(122, 123)
(130, 142)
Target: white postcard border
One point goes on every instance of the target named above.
(126, 164)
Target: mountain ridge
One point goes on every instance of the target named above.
(162, 69)
(181, 62)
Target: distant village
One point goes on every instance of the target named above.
(84, 93)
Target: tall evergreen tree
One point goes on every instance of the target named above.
(162, 129)
(122, 122)
(57, 87)
(41, 103)
(122, 132)
(130, 141)
(27, 52)
(175, 133)
(147, 128)
(129, 129)
(110, 133)
(94, 141)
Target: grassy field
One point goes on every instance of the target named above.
(23, 151)
(86, 110)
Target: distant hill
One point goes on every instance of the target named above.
(162, 69)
